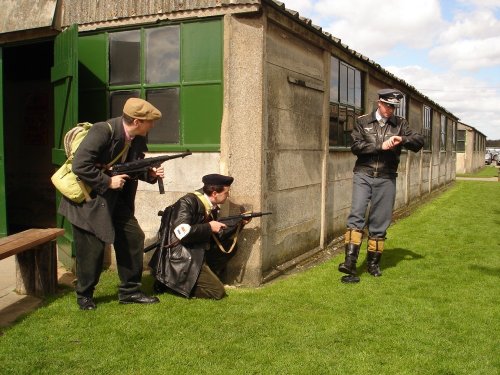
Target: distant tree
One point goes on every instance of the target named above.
(493, 143)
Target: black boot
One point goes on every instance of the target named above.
(375, 249)
(351, 257)
(349, 265)
(373, 263)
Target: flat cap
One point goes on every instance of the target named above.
(217, 179)
(141, 109)
(390, 96)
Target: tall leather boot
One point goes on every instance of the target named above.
(353, 239)
(375, 249)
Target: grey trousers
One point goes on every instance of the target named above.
(379, 194)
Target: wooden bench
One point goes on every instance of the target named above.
(35, 250)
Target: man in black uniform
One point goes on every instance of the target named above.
(377, 141)
(198, 246)
(109, 216)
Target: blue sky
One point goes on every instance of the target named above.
(449, 50)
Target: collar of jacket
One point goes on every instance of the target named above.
(118, 137)
(391, 120)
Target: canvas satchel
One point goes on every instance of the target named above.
(64, 179)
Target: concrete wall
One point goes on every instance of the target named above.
(293, 145)
(243, 146)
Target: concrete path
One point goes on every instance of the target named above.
(12, 305)
(493, 179)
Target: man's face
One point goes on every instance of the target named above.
(143, 126)
(220, 198)
(386, 110)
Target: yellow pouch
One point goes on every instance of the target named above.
(68, 183)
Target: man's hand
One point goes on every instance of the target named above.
(118, 181)
(217, 226)
(157, 172)
(392, 142)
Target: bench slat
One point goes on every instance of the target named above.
(27, 239)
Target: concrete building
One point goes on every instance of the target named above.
(250, 87)
(471, 148)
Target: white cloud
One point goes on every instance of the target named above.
(471, 42)
(374, 31)
(468, 54)
(476, 25)
(482, 3)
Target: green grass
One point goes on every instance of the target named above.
(486, 171)
(436, 310)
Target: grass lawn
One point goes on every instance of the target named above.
(435, 310)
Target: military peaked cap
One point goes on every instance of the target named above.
(390, 96)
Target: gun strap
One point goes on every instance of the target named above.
(235, 238)
(122, 153)
(86, 193)
(208, 209)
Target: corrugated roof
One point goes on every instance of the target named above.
(96, 11)
(20, 15)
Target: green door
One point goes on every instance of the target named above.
(3, 210)
(64, 76)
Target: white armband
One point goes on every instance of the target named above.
(182, 231)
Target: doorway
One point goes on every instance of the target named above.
(28, 136)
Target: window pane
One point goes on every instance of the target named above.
(350, 86)
(166, 129)
(357, 88)
(401, 110)
(117, 100)
(334, 80)
(202, 51)
(343, 83)
(334, 126)
(124, 57)
(162, 54)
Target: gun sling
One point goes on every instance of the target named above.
(208, 213)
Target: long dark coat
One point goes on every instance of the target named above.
(99, 147)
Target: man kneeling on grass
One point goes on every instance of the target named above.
(197, 247)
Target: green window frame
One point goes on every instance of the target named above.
(176, 66)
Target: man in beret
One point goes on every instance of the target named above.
(378, 138)
(108, 217)
(198, 247)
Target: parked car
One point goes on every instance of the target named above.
(488, 158)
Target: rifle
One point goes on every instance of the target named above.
(135, 169)
(234, 219)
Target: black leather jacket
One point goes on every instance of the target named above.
(179, 267)
(368, 137)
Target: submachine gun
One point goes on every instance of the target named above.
(235, 219)
(137, 168)
(228, 220)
